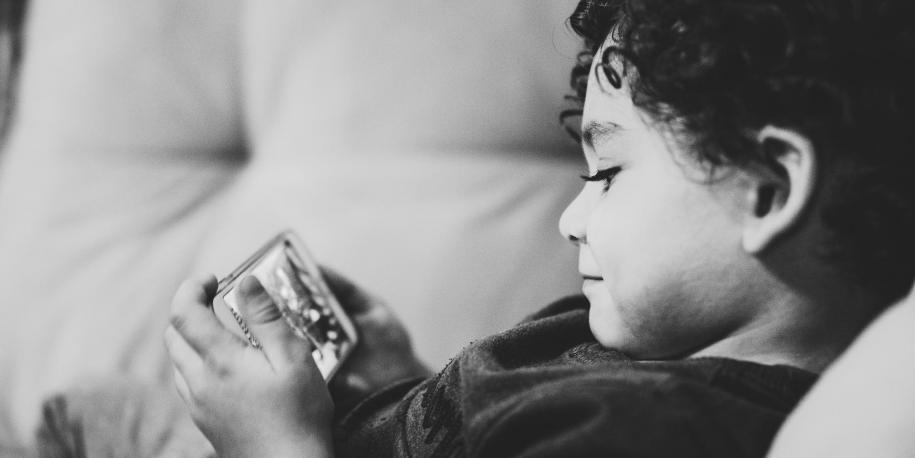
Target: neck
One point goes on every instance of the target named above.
(806, 331)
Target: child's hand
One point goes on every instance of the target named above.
(384, 353)
(246, 401)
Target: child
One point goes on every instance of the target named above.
(748, 209)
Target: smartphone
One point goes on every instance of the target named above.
(293, 280)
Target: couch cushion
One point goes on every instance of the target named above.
(414, 146)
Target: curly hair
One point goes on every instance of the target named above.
(840, 72)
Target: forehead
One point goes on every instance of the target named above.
(610, 115)
(603, 101)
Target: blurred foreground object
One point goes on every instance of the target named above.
(11, 13)
(413, 145)
(864, 405)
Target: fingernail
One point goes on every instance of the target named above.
(251, 287)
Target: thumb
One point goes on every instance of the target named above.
(353, 299)
(266, 322)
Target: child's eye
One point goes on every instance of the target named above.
(605, 175)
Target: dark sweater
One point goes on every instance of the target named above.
(547, 388)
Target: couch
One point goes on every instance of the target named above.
(413, 145)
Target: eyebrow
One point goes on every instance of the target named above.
(595, 131)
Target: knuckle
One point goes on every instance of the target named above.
(199, 397)
(264, 311)
(218, 366)
(178, 321)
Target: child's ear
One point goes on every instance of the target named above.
(782, 193)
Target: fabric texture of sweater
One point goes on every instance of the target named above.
(547, 388)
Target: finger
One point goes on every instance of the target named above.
(199, 289)
(365, 310)
(349, 384)
(352, 298)
(181, 385)
(280, 344)
(193, 319)
(184, 357)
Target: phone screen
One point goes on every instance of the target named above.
(294, 281)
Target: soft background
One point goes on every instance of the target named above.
(414, 146)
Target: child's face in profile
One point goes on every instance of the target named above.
(659, 244)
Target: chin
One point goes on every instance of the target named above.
(611, 332)
(607, 327)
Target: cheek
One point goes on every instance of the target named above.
(655, 248)
(627, 238)
(629, 228)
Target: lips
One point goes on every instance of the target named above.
(591, 284)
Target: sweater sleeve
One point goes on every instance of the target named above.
(370, 428)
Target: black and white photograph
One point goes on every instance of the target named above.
(481, 228)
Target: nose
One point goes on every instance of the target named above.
(573, 222)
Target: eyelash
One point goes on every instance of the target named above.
(605, 175)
